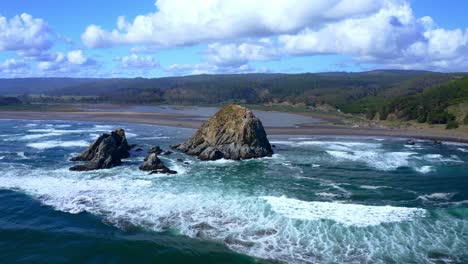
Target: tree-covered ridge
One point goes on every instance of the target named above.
(409, 95)
(432, 104)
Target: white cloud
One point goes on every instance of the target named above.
(186, 22)
(240, 54)
(208, 68)
(138, 62)
(73, 61)
(392, 37)
(76, 57)
(24, 34)
(13, 67)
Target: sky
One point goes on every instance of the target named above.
(147, 38)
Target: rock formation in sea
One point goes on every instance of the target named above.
(234, 132)
(155, 165)
(106, 152)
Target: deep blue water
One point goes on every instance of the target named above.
(317, 200)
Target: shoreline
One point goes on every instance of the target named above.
(194, 122)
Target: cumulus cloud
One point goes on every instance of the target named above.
(185, 22)
(240, 54)
(138, 62)
(73, 61)
(24, 34)
(13, 67)
(392, 37)
(208, 68)
(385, 33)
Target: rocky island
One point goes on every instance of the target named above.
(106, 152)
(234, 132)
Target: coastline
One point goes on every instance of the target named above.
(194, 122)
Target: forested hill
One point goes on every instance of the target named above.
(376, 93)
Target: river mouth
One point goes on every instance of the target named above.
(318, 199)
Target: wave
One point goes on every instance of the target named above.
(379, 160)
(347, 214)
(425, 169)
(57, 144)
(436, 196)
(371, 187)
(37, 136)
(271, 227)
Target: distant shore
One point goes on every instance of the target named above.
(194, 122)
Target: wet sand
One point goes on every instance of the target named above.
(195, 121)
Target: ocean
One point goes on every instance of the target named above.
(319, 199)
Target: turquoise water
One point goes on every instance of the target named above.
(317, 200)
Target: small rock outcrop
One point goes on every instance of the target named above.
(155, 165)
(157, 150)
(232, 133)
(106, 152)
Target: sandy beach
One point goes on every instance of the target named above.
(185, 120)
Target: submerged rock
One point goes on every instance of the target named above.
(106, 152)
(155, 165)
(232, 133)
(410, 142)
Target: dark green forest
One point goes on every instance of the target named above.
(408, 95)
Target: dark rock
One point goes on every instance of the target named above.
(138, 149)
(232, 133)
(180, 160)
(155, 165)
(410, 142)
(273, 146)
(187, 163)
(106, 152)
(437, 142)
(167, 152)
(156, 150)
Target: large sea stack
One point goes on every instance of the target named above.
(106, 152)
(232, 133)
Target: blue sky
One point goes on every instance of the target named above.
(180, 37)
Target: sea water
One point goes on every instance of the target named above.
(317, 200)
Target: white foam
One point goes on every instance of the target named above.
(157, 137)
(462, 149)
(246, 224)
(328, 195)
(130, 135)
(371, 187)
(377, 159)
(424, 169)
(2, 157)
(37, 136)
(436, 196)
(347, 214)
(57, 144)
(21, 155)
(440, 158)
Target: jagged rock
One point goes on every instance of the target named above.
(138, 149)
(232, 133)
(106, 152)
(167, 152)
(180, 160)
(155, 165)
(410, 142)
(157, 150)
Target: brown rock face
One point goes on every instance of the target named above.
(106, 152)
(232, 133)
